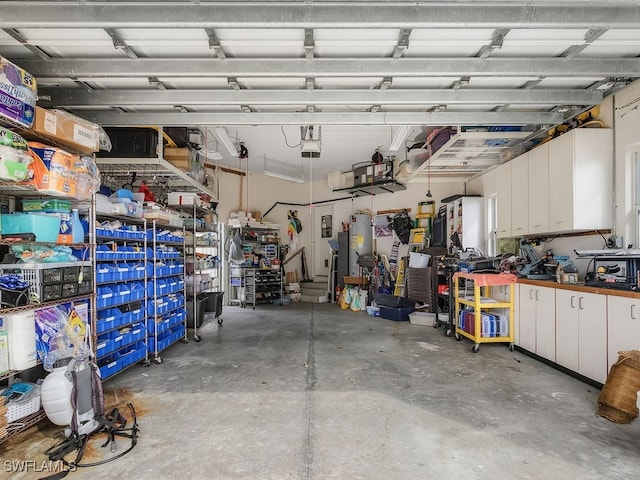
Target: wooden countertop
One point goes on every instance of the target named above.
(581, 287)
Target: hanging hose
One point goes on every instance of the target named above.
(305, 204)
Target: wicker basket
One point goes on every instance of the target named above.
(617, 400)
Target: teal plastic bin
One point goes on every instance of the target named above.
(44, 227)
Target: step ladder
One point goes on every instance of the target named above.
(418, 239)
(393, 258)
(425, 215)
(398, 289)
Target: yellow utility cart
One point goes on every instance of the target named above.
(479, 315)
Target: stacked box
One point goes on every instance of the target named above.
(67, 129)
(18, 93)
(14, 156)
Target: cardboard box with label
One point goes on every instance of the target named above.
(69, 130)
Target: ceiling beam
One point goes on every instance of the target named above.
(53, 14)
(324, 67)
(74, 97)
(322, 118)
(17, 36)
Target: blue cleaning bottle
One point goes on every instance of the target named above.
(77, 230)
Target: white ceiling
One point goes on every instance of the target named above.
(359, 69)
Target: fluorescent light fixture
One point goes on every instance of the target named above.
(224, 138)
(283, 171)
(284, 177)
(401, 135)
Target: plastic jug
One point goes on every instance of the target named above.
(56, 394)
(77, 230)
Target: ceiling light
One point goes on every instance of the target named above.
(401, 135)
(224, 138)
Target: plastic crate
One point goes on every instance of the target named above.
(396, 314)
(85, 287)
(70, 289)
(44, 279)
(50, 292)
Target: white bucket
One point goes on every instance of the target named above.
(21, 329)
(418, 260)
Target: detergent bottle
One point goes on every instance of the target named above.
(77, 230)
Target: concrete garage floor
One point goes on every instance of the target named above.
(314, 392)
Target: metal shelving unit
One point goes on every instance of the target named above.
(166, 305)
(246, 281)
(24, 190)
(129, 329)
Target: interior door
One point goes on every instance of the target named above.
(323, 231)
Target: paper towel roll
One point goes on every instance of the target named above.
(21, 329)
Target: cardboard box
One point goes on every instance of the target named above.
(178, 157)
(66, 129)
(18, 92)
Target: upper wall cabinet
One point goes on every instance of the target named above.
(503, 200)
(580, 180)
(520, 195)
(538, 198)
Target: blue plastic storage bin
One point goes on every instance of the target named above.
(45, 227)
(395, 313)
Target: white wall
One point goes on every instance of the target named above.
(263, 191)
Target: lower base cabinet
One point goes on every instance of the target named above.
(581, 333)
(623, 326)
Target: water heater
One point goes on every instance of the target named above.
(359, 240)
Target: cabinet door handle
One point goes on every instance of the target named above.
(572, 298)
(580, 303)
(531, 294)
(537, 291)
(633, 317)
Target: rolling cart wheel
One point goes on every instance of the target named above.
(158, 360)
(435, 324)
(196, 337)
(511, 347)
(146, 363)
(448, 332)
(475, 348)
(457, 336)
(220, 321)
(185, 340)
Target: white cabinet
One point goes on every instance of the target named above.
(520, 195)
(464, 217)
(503, 200)
(536, 320)
(581, 333)
(580, 180)
(538, 190)
(623, 326)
